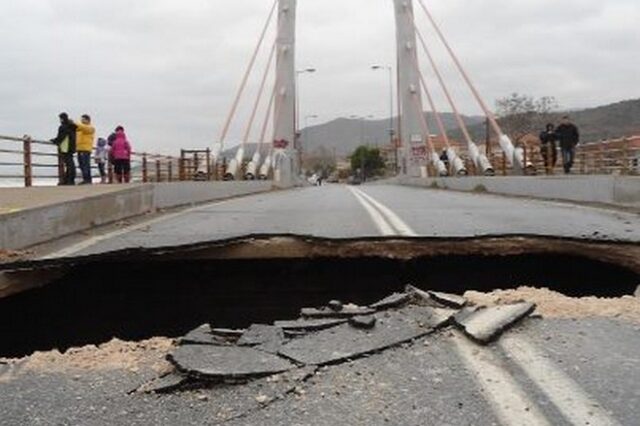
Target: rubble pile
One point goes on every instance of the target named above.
(294, 349)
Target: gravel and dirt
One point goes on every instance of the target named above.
(552, 304)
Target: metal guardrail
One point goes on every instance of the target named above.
(611, 157)
(28, 159)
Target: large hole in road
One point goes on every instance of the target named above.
(96, 302)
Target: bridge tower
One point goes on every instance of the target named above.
(285, 156)
(409, 92)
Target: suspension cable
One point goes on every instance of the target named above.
(245, 78)
(476, 93)
(445, 89)
(256, 105)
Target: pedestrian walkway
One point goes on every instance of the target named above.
(18, 199)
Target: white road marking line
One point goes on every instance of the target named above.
(572, 401)
(395, 221)
(381, 223)
(506, 397)
(83, 245)
(509, 402)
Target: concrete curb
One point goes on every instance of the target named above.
(618, 191)
(26, 228)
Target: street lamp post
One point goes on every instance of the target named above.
(391, 126)
(297, 118)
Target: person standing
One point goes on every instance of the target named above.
(85, 139)
(66, 142)
(102, 159)
(569, 137)
(549, 148)
(121, 154)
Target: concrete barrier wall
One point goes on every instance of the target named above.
(29, 227)
(170, 195)
(621, 191)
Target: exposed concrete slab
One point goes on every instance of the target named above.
(346, 342)
(309, 325)
(226, 362)
(393, 301)
(614, 190)
(486, 325)
(449, 300)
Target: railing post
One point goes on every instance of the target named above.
(28, 168)
(145, 168)
(158, 171)
(504, 164)
(170, 170)
(181, 167)
(209, 164)
(625, 156)
(525, 158)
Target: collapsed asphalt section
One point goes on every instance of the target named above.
(326, 336)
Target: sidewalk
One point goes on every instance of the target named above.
(17, 199)
(31, 216)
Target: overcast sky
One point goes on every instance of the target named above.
(167, 69)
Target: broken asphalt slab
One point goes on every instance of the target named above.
(346, 312)
(203, 336)
(266, 338)
(309, 325)
(394, 301)
(346, 342)
(449, 300)
(485, 325)
(226, 362)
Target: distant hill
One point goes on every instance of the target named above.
(345, 135)
(604, 122)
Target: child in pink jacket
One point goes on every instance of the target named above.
(121, 155)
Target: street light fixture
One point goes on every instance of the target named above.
(391, 126)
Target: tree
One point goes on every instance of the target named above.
(368, 161)
(521, 115)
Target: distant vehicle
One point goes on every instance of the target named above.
(354, 180)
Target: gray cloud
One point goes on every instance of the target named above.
(168, 69)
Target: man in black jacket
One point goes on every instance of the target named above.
(569, 137)
(66, 142)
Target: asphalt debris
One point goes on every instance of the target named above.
(293, 350)
(487, 324)
(226, 362)
(449, 300)
(346, 312)
(365, 322)
(393, 301)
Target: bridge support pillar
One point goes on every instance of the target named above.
(284, 120)
(411, 135)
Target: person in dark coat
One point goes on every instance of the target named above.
(548, 147)
(569, 137)
(66, 142)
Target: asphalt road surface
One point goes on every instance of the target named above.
(545, 372)
(335, 211)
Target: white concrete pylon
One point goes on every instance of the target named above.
(252, 167)
(408, 80)
(284, 119)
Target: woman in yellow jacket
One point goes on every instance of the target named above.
(84, 140)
